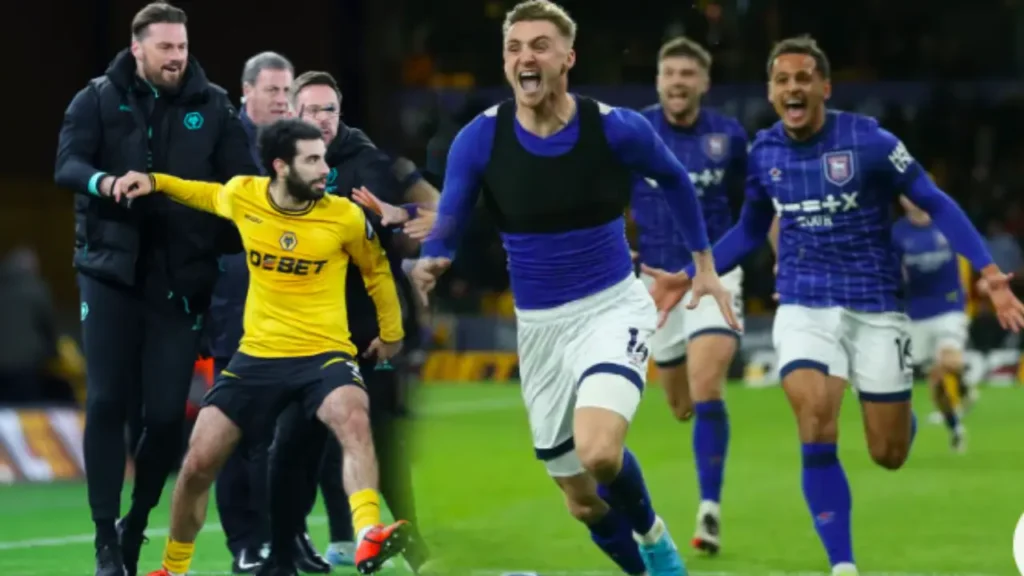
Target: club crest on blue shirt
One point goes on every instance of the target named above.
(838, 167)
(288, 241)
(716, 146)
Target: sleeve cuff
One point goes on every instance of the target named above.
(94, 183)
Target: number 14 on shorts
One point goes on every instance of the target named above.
(636, 350)
(905, 356)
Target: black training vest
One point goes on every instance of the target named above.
(583, 188)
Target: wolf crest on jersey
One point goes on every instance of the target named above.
(288, 241)
(838, 167)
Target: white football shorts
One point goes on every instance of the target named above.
(602, 338)
(929, 336)
(668, 345)
(870, 350)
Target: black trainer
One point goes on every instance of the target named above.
(307, 559)
(109, 561)
(131, 541)
(248, 561)
(272, 567)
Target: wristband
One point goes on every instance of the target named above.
(412, 209)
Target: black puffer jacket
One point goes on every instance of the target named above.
(117, 123)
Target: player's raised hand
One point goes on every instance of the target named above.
(709, 284)
(667, 290)
(381, 350)
(1009, 310)
(390, 215)
(131, 185)
(419, 227)
(426, 272)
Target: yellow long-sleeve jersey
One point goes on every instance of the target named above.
(297, 266)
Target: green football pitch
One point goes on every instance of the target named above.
(488, 508)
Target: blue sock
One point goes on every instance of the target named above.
(710, 445)
(614, 537)
(913, 427)
(627, 493)
(952, 421)
(828, 496)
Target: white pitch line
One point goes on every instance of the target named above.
(319, 520)
(444, 409)
(88, 538)
(457, 408)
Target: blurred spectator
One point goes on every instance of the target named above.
(1005, 249)
(28, 329)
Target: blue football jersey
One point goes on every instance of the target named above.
(931, 269)
(834, 195)
(714, 152)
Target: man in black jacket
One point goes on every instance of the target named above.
(146, 270)
(299, 447)
(242, 484)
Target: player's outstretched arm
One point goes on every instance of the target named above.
(467, 159)
(633, 138)
(206, 196)
(909, 178)
(747, 234)
(363, 246)
(751, 229)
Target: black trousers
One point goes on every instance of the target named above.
(242, 500)
(140, 360)
(305, 454)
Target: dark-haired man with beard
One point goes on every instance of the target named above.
(296, 457)
(296, 345)
(146, 270)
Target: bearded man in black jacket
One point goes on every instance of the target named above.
(146, 270)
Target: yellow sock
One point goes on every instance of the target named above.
(365, 506)
(952, 386)
(178, 556)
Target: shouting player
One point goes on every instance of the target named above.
(833, 177)
(296, 343)
(558, 170)
(713, 148)
(935, 304)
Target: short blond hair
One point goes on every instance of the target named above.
(683, 47)
(541, 10)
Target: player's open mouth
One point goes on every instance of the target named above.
(678, 95)
(795, 109)
(172, 69)
(529, 81)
